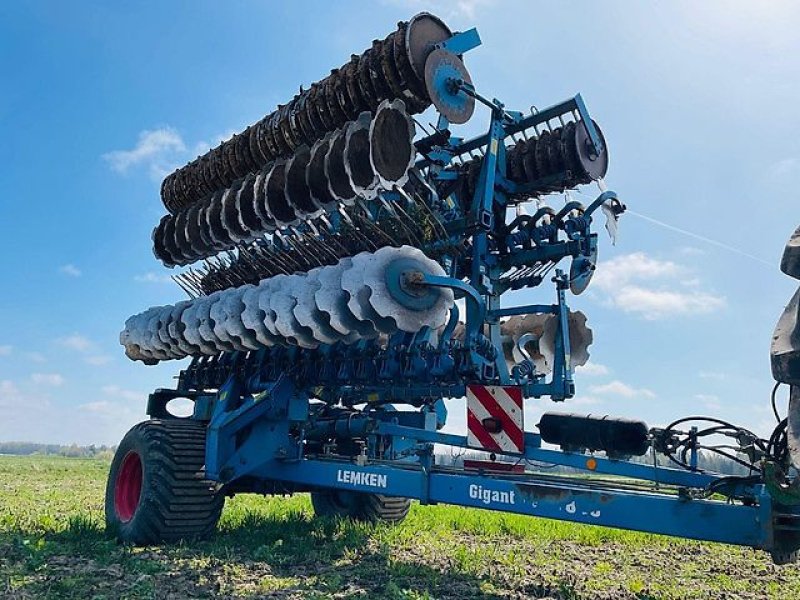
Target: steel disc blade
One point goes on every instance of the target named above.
(260, 199)
(441, 69)
(316, 179)
(582, 269)
(422, 33)
(353, 282)
(133, 339)
(231, 218)
(175, 329)
(309, 315)
(297, 192)
(206, 323)
(182, 236)
(191, 329)
(391, 144)
(213, 215)
(267, 288)
(589, 165)
(282, 303)
(335, 173)
(332, 299)
(159, 349)
(226, 315)
(279, 209)
(409, 309)
(159, 248)
(362, 177)
(253, 316)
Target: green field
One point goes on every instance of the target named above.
(52, 545)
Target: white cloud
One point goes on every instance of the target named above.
(618, 388)
(159, 150)
(98, 360)
(716, 376)
(151, 277)
(76, 342)
(116, 392)
(651, 288)
(582, 400)
(51, 379)
(593, 369)
(9, 394)
(36, 357)
(784, 167)
(71, 270)
(709, 401)
(5, 350)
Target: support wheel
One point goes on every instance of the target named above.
(156, 490)
(359, 506)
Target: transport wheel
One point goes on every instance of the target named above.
(359, 506)
(156, 490)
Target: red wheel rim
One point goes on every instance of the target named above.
(128, 487)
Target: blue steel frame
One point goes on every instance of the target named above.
(260, 423)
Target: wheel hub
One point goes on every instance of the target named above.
(128, 487)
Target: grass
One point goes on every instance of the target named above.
(53, 545)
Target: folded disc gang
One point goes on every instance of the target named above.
(359, 298)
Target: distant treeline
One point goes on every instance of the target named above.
(72, 451)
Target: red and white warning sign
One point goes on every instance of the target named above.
(494, 418)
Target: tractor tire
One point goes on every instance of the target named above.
(156, 490)
(360, 506)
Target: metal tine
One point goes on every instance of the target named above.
(419, 200)
(416, 202)
(314, 241)
(416, 240)
(185, 286)
(368, 243)
(302, 254)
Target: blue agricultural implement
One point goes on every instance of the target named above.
(345, 275)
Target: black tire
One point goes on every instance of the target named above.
(169, 498)
(359, 506)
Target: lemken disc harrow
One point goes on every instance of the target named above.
(346, 275)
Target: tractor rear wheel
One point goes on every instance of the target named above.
(157, 490)
(360, 506)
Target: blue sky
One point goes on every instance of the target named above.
(696, 100)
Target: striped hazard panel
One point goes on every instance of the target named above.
(494, 418)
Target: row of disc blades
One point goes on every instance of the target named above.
(358, 160)
(392, 68)
(564, 151)
(350, 301)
